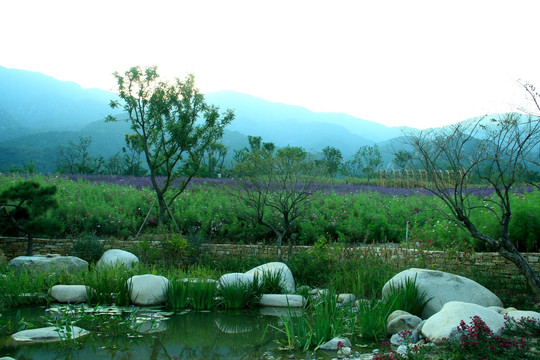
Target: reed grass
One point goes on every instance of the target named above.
(176, 295)
(239, 295)
(108, 285)
(202, 294)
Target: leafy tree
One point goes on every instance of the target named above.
(255, 145)
(275, 190)
(213, 160)
(495, 152)
(365, 161)
(174, 127)
(402, 159)
(25, 207)
(75, 158)
(132, 156)
(332, 159)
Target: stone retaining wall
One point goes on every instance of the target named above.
(488, 263)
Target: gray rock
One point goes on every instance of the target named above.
(395, 314)
(443, 287)
(48, 264)
(346, 299)
(403, 322)
(47, 334)
(274, 268)
(69, 293)
(117, 257)
(333, 344)
(282, 300)
(147, 289)
(444, 323)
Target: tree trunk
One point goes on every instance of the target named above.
(30, 245)
(279, 241)
(509, 252)
(162, 209)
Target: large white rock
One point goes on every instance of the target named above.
(443, 287)
(273, 268)
(147, 289)
(282, 300)
(235, 279)
(48, 263)
(114, 257)
(47, 334)
(444, 323)
(69, 293)
(517, 315)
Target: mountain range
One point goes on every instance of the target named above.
(39, 113)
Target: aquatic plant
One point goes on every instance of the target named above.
(202, 294)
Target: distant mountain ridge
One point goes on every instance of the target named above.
(40, 112)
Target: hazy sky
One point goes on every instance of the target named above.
(403, 62)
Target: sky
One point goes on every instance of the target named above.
(414, 63)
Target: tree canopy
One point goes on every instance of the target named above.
(173, 125)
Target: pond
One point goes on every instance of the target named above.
(188, 335)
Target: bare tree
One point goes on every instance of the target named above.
(492, 152)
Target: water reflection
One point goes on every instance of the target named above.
(192, 335)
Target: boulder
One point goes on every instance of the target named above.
(333, 344)
(517, 315)
(147, 289)
(346, 299)
(443, 287)
(235, 279)
(69, 293)
(394, 315)
(47, 334)
(48, 263)
(444, 323)
(273, 268)
(115, 257)
(402, 322)
(282, 300)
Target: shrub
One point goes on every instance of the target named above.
(88, 247)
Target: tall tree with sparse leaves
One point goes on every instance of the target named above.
(494, 152)
(174, 126)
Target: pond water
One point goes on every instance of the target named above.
(191, 335)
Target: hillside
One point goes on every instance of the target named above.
(39, 113)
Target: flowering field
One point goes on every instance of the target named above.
(118, 205)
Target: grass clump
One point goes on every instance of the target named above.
(239, 294)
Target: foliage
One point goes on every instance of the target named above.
(495, 152)
(25, 207)
(406, 296)
(173, 125)
(365, 162)
(76, 159)
(202, 294)
(332, 159)
(176, 297)
(476, 339)
(321, 321)
(275, 190)
(13, 325)
(239, 294)
(88, 247)
(108, 285)
(344, 213)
